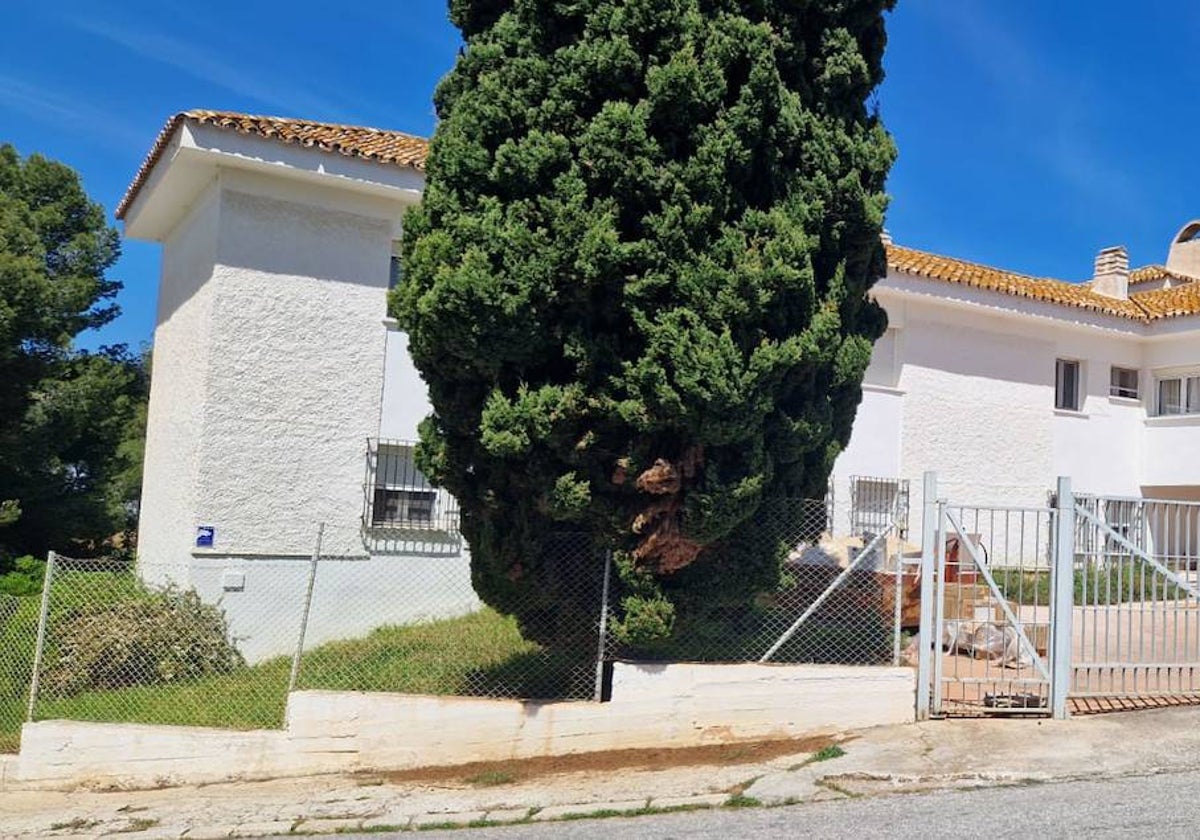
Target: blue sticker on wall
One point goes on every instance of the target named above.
(204, 536)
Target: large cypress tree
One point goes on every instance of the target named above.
(637, 285)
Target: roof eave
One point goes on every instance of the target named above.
(193, 153)
(213, 121)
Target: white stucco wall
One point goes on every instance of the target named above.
(1172, 447)
(295, 373)
(272, 365)
(178, 391)
(874, 448)
(978, 409)
(974, 402)
(1171, 444)
(1101, 447)
(264, 598)
(405, 395)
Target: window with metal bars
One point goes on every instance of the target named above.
(397, 494)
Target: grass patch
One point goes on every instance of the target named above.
(604, 814)
(479, 654)
(77, 824)
(827, 754)
(140, 824)
(381, 829)
(491, 778)
(740, 800)
(18, 636)
(466, 655)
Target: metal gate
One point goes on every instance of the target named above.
(1136, 619)
(988, 630)
(1088, 604)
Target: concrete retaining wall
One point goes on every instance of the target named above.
(653, 705)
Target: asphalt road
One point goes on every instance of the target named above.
(1162, 806)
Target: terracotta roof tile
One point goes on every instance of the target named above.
(1145, 307)
(387, 147)
(1174, 302)
(399, 149)
(961, 272)
(1151, 273)
(1148, 274)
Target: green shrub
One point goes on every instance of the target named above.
(24, 576)
(645, 621)
(155, 638)
(1113, 580)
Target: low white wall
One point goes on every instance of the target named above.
(653, 705)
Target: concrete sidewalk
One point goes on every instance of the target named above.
(896, 759)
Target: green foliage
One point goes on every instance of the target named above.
(827, 753)
(154, 638)
(22, 577)
(1114, 580)
(63, 412)
(478, 653)
(646, 242)
(739, 800)
(644, 621)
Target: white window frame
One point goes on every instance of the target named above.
(1115, 389)
(1060, 404)
(1188, 399)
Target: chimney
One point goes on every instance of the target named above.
(1111, 277)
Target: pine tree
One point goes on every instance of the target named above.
(638, 285)
(62, 411)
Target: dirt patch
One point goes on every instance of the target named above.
(523, 770)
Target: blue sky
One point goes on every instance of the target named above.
(1031, 134)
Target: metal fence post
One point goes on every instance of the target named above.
(312, 577)
(898, 595)
(1063, 602)
(39, 650)
(897, 608)
(598, 695)
(926, 643)
(939, 605)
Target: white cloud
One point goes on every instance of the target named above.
(220, 68)
(45, 105)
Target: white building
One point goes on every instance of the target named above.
(280, 386)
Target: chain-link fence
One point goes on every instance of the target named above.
(439, 638)
(222, 641)
(127, 643)
(18, 642)
(841, 597)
